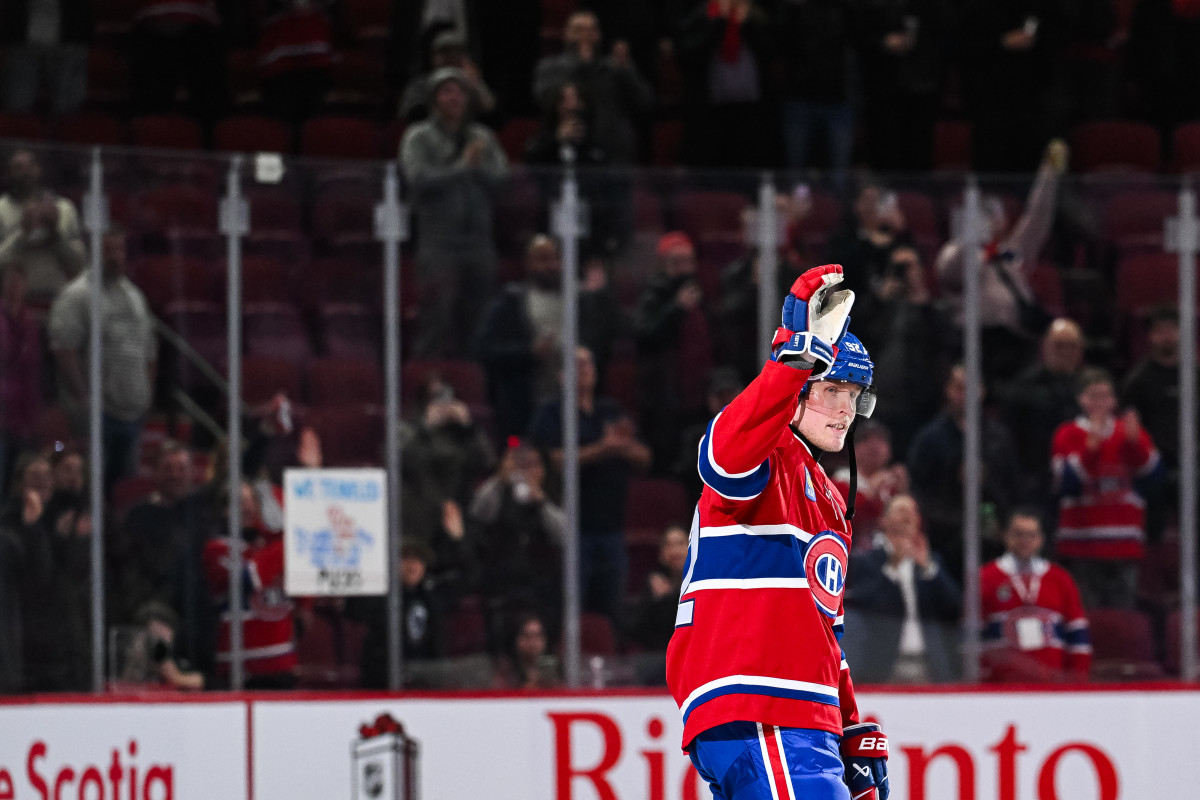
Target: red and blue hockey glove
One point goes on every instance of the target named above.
(813, 321)
(864, 754)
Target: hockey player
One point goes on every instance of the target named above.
(767, 702)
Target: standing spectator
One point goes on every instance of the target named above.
(527, 662)
(723, 49)
(518, 537)
(568, 132)
(609, 453)
(20, 369)
(453, 164)
(901, 609)
(178, 43)
(130, 356)
(674, 347)
(424, 625)
(157, 556)
(1152, 389)
(879, 480)
(904, 46)
(449, 49)
(935, 467)
(1009, 255)
(295, 55)
(520, 338)
(818, 43)
(1034, 628)
(1103, 465)
(39, 229)
(872, 227)
(1039, 400)
(618, 93)
(46, 47)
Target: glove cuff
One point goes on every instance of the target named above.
(864, 740)
(806, 351)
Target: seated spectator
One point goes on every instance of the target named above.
(526, 662)
(268, 615)
(671, 328)
(453, 165)
(46, 48)
(935, 468)
(568, 132)
(652, 621)
(151, 660)
(879, 479)
(1039, 400)
(1103, 464)
(901, 607)
(39, 229)
(21, 359)
(619, 94)
(448, 49)
(520, 338)
(295, 55)
(609, 454)
(157, 551)
(423, 628)
(451, 450)
(1008, 310)
(1034, 626)
(518, 537)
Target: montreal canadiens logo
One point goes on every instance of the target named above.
(825, 568)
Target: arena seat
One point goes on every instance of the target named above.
(265, 280)
(596, 635)
(1135, 218)
(338, 381)
(952, 145)
(91, 127)
(276, 329)
(22, 126)
(654, 503)
(351, 435)
(173, 131)
(336, 136)
(166, 279)
(264, 376)
(1185, 147)
(350, 330)
(467, 378)
(1115, 145)
(703, 212)
(1122, 645)
(252, 133)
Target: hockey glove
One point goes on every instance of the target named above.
(864, 754)
(813, 321)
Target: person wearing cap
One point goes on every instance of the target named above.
(674, 346)
(449, 49)
(755, 664)
(453, 166)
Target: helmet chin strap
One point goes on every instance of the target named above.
(853, 461)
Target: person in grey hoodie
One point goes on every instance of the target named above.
(452, 165)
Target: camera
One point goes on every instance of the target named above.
(160, 651)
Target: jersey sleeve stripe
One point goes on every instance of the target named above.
(732, 486)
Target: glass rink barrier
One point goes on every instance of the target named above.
(466, 405)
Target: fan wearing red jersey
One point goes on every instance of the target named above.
(754, 664)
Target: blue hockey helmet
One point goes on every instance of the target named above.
(853, 365)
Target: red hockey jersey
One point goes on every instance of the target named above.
(1034, 624)
(1100, 514)
(760, 611)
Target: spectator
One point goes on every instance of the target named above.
(1035, 628)
(671, 329)
(902, 607)
(130, 357)
(174, 45)
(268, 616)
(904, 51)
(157, 556)
(818, 46)
(653, 618)
(935, 467)
(518, 536)
(453, 164)
(527, 662)
(1103, 465)
(449, 49)
(873, 227)
(609, 452)
(1152, 389)
(20, 369)
(39, 229)
(618, 93)
(568, 132)
(425, 612)
(1039, 400)
(520, 338)
(879, 479)
(900, 320)
(295, 56)
(152, 659)
(46, 45)
(724, 53)
(724, 384)
(1008, 309)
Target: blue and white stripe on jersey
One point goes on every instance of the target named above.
(759, 684)
(748, 557)
(730, 485)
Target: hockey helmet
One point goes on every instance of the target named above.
(853, 365)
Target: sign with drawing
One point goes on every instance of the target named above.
(335, 532)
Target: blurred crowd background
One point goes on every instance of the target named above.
(1078, 118)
